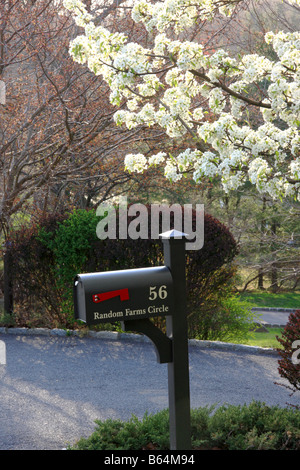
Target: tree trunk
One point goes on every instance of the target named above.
(261, 245)
(274, 269)
(260, 283)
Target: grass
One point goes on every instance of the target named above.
(267, 299)
(265, 340)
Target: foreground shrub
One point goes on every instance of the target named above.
(129, 435)
(255, 427)
(248, 427)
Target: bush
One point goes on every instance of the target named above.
(33, 268)
(289, 364)
(48, 255)
(255, 426)
(228, 319)
(69, 246)
(152, 432)
(129, 435)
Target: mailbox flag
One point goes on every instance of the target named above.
(122, 293)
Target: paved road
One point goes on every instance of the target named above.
(273, 317)
(53, 388)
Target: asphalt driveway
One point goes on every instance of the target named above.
(53, 388)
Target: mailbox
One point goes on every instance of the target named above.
(129, 294)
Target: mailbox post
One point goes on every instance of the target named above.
(178, 368)
(133, 296)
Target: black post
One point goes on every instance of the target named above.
(178, 369)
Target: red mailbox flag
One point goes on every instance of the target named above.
(122, 293)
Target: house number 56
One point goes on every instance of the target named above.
(161, 292)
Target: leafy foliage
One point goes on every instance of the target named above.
(222, 318)
(255, 426)
(132, 434)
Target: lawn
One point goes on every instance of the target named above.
(267, 299)
(265, 340)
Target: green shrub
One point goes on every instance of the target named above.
(229, 319)
(129, 435)
(255, 426)
(150, 432)
(69, 246)
(249, 427)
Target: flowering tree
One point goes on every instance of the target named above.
(173, 84)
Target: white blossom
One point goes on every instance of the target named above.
(295, 169)
(156, 159)
(267, 155)
(137, 162)
(171, 172)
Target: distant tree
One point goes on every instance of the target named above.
(267, 232)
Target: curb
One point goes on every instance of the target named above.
(116, 336)
(273, 325)
(273, 309)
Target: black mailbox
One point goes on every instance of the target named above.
(129, 294)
